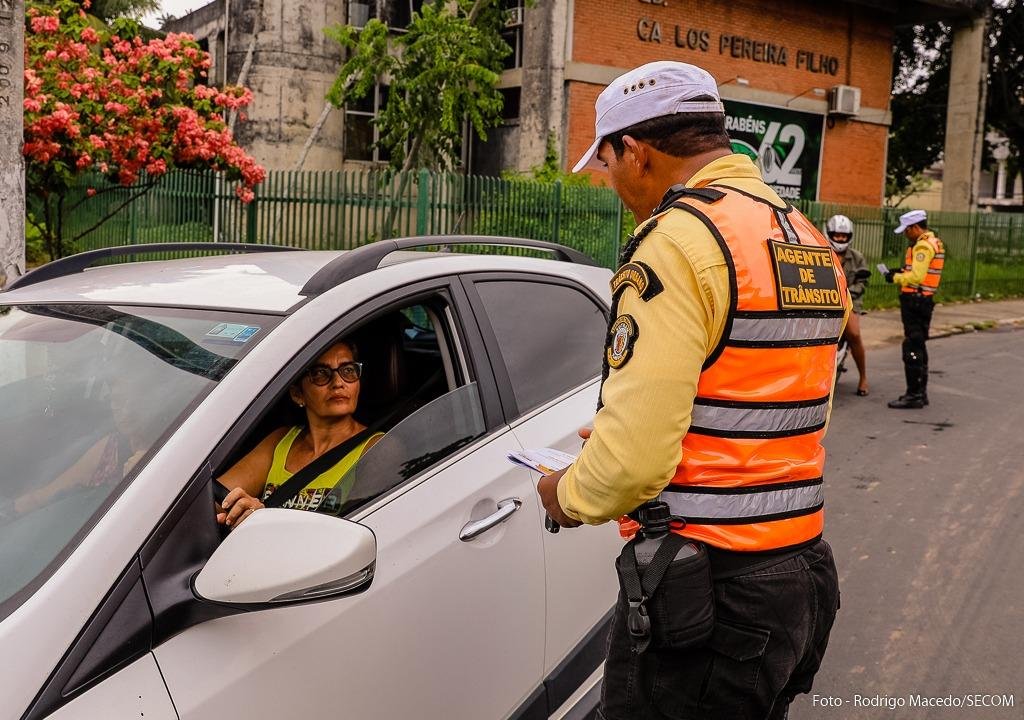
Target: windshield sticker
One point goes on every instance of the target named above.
(232, 332)
(247, 333)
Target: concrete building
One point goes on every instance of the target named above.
(806, 83)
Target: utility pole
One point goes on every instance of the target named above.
(12, 163)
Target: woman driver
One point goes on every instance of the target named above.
(328, 391)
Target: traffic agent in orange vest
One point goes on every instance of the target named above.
(918, 283)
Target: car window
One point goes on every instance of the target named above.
(431, 434)
(414, 388)
(86, 394)
(551, 336)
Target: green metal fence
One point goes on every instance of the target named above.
(342, 210)
(984, 251)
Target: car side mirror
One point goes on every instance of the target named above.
(286, 556)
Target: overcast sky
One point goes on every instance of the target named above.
(177, 8)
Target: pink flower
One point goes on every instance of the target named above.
(89, 192)
(45, 24)
(156, 167)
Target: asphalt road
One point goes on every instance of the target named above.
(925, 514)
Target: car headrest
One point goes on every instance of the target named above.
(382, 351)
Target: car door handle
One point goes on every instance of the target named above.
(505, 509)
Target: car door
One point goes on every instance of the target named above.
(452, 624)
(547, 335)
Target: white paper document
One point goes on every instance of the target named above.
(543, 460)
(883, 268)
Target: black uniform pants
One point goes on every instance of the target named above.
(771, 629)
(916, 313)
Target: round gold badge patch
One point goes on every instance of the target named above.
(621, 339)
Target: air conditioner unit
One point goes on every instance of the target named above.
(513, 17)
(843, 100)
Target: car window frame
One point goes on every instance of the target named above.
(510, 406)
(471, 350)
(174, 549)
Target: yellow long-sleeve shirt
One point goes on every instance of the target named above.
(921, 258)
(636, 446)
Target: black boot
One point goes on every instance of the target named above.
(909, 402)
(914, 372)
(924, 384)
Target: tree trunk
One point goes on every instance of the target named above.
(12, 162)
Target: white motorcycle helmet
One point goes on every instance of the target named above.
(839, 225)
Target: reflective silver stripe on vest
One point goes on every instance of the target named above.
(772, 330)
(757, 419)
(745, 505)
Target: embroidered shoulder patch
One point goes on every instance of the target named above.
(920, 257)
(621, 338)
(805, 277)
(638, 276)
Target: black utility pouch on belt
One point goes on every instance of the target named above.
(670, 601)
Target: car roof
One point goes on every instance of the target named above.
(261, 282)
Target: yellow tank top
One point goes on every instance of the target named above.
(310, 496)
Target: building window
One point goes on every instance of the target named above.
(510, 103)
(396, 14)
(513, 33)
(399, 13)
(361, 134)
(360, 12)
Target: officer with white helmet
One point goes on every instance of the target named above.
(839, 229)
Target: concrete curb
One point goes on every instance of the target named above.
(883, 328)
(949, 331)
(974, 326)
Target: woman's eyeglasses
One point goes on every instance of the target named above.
(321, 375)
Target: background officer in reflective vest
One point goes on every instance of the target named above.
(839, 230)
(719, 364)
(918, 282)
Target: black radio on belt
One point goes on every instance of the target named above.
(666, 584)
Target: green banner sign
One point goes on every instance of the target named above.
(785, 144)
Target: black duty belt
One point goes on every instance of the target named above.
(729, 563)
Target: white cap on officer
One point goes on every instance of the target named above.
(910, 218)
(650, 91)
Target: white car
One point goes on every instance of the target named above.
(431, 591)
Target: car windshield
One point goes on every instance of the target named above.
(87, 394)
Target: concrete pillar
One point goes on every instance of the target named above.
(965, 116)
(292, 69)
(12, 163)
(1000, 154)
(542, 102)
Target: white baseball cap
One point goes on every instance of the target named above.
(912, 217)
(650, 91)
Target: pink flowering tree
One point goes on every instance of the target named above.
(102, 100)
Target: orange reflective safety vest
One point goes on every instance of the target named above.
(750, 477)
(931, 280)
